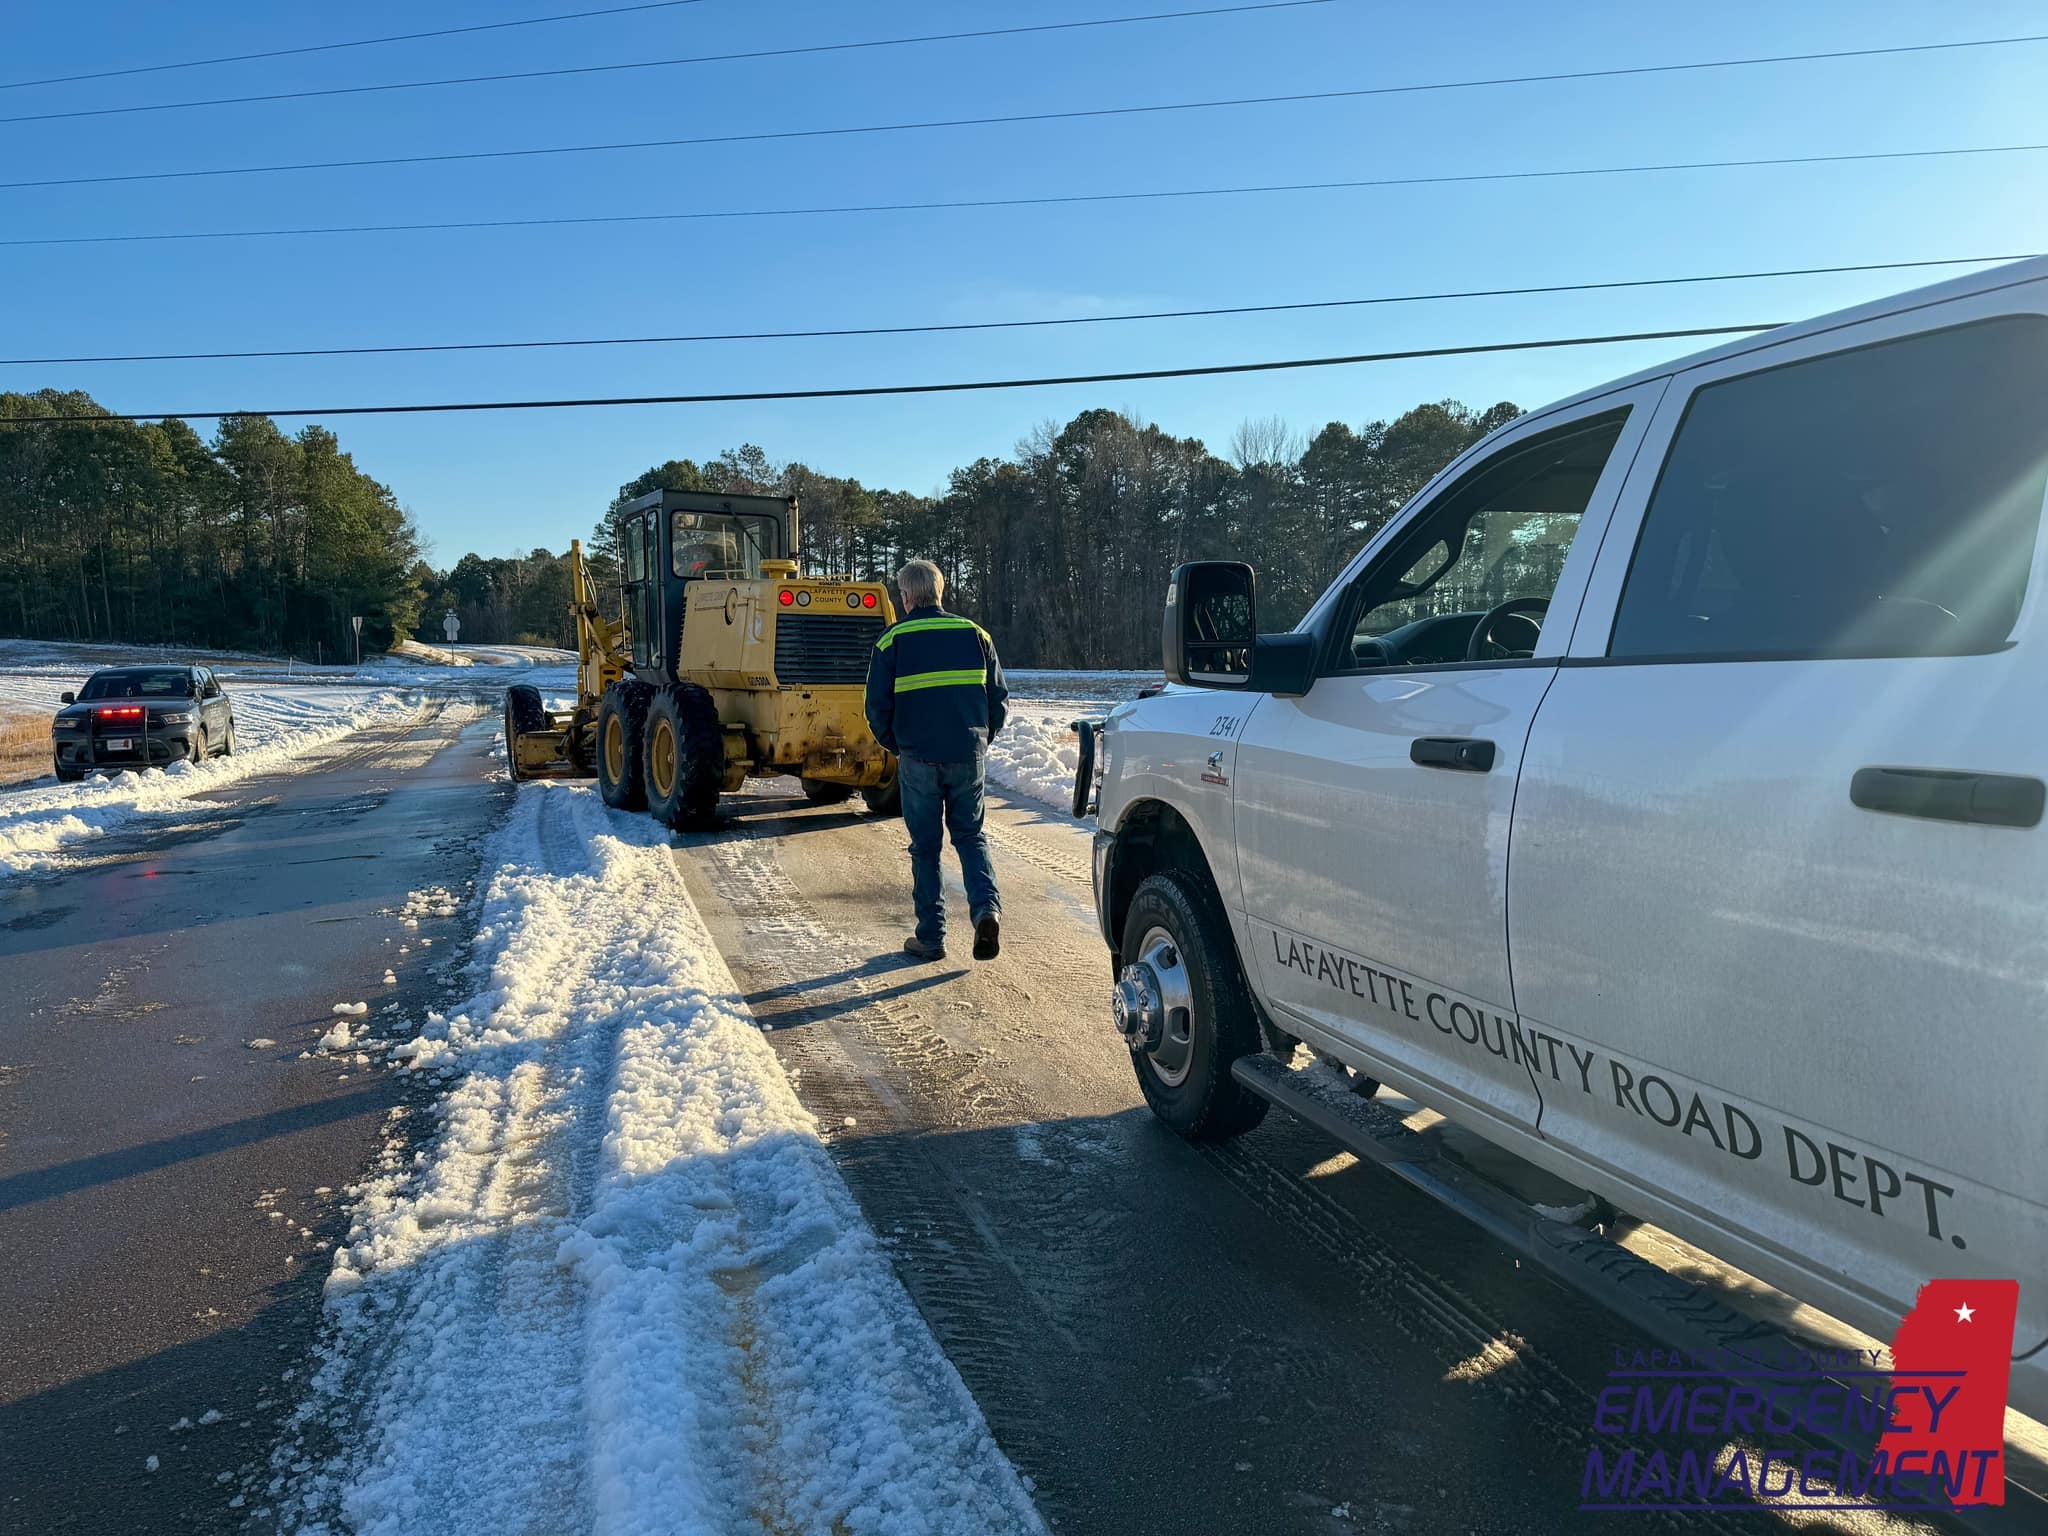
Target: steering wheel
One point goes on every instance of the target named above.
(1525, 611)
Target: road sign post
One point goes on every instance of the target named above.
(451, 626)
(356, 623)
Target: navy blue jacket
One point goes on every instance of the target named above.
(935, 687)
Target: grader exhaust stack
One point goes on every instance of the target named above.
(728, 665)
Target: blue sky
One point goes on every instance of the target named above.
(503, 482)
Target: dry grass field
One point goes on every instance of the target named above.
(24, 745)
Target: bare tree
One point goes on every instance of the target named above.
(1266, 440)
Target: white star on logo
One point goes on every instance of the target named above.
(1965, 1312)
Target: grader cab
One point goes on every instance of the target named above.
(729, 664)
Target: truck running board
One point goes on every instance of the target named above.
(1670, 1310)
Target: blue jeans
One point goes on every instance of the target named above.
(940, 798)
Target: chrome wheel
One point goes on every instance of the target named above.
(1154, 1007)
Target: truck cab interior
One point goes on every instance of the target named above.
(1472, 578)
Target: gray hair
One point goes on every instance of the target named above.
(920, 583)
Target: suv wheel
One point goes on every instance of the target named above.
(1182, 1000)
(685, 757)
(621, 720)
(227, 739)
(199, 751)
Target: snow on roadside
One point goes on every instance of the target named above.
(1037, 753)
(623, 1288)
(272, 727)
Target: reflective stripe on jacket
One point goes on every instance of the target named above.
(935, 687)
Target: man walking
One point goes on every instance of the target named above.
(935, 699)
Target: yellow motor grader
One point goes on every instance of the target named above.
(728, 664)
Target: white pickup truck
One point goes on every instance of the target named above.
(1659, 795)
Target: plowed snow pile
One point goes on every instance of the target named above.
(272, 727)
(623, 1289)
(1038, 752)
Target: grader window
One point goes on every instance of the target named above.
(634, 546)
(727, 546)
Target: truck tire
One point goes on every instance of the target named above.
(685, 757)
(1176, 929)
(822, 792)
(885, 798)
(523, 712)
(621, 722)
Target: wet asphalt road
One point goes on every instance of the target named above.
(167, 1190)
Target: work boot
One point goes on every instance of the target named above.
(924, 949)
(988, 937)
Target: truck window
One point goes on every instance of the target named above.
(1878, 502)
(1500, 535)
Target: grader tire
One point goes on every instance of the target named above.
(885, 798)
(621, 724)
(523, 712)
(820, 792)
(685, 757)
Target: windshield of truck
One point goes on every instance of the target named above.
(164, 684)
(726, 546)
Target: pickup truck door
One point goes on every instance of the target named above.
(1372, 812)
(1777, 868)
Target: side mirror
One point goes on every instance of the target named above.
(1211, 624)
(1212, 639)
(67, 698)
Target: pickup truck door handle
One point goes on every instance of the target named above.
(1938, 794)
(1466, 754)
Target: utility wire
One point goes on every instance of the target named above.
(865, 390)
(701, 58)
(361, 42)
(1065, 26)
(778, 134)
(1011, 325)
(960, 203)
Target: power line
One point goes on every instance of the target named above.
(361, 42)
(867, 390)
(1068, 26)
(1010, 325)
(958, 203)
(702, 58)
(777, 134)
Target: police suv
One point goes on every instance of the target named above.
(1659, 795)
